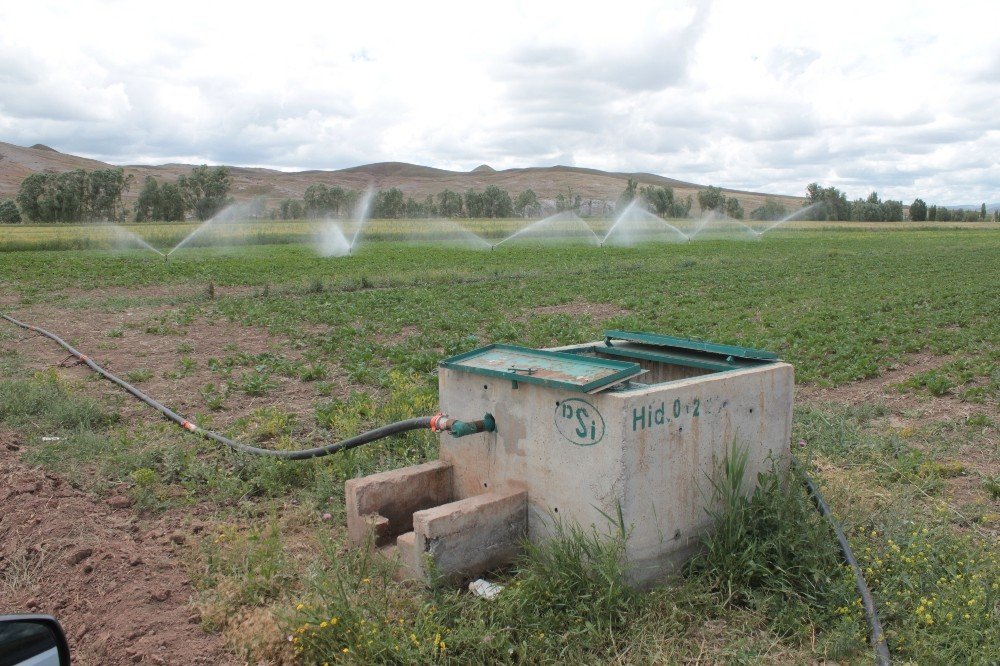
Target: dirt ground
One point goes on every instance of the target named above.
(114, 582)
(135, 349)
(909, 412)
(117, 582)
(882, 389)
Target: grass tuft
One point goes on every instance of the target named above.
(561, 602)
(46, 403)
(772, 552)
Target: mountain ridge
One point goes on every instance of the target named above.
(418, 181)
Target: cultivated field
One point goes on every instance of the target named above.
(165, 235)
(149, 543)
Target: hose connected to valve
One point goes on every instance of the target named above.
(442, 423)
(436, 423)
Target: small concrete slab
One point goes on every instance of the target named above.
(385, 502)
(466, 538)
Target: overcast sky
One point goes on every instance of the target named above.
(899, 97)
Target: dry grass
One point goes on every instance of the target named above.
(21, 571)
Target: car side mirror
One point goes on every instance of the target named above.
(32, 640)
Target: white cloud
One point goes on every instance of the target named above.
(898, 97)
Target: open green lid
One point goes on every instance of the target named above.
(670, 342)
(548, 368)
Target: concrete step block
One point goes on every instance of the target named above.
(387, 501)
(409, 562)
(464, 538)
(389, 551)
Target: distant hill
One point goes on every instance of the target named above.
(990, 207)
(593, 185)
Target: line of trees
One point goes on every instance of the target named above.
(202, 193)
(661, 199)
(872, 209)
(321, 201)
(771, 211)
(9, 213)
(832, 204)
(73, 196)
(664, 203)
(87, 196)
(921, 212)
(714, 199)
(81, 195)
(492, 202)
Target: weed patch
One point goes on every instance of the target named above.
(772, 552)
(562, 601)
(46, 403)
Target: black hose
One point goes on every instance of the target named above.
(877, 635)
(364, 438)
(871, 613)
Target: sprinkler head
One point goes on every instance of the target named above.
(492, 247)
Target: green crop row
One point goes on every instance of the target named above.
(363, 336)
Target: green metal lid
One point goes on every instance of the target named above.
(667, 341)
(537, 366)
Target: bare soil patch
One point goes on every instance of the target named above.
(907, 409)
(399, 337)
(910, 412)
(866, 389)
(115, 584)
(186, 292)
(596, 311)
(160, 354)
(171, 293)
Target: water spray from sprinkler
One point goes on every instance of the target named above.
(563, 226)
(635, 225)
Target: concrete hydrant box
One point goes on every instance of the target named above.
(635, 425)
